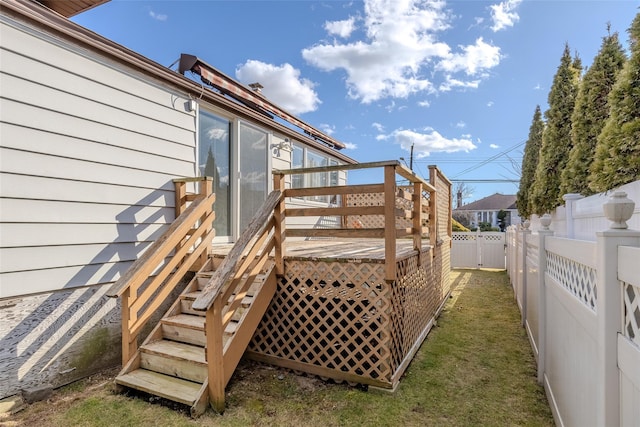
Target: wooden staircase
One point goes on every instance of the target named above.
(172, 361)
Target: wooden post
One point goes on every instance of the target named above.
(390, 222)
(278, 184)
(129, 342)
(215, 357)
(417, 217)
(181, 196)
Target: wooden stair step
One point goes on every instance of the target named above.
(186, 328)
(231, 328)
(175, 389)
(175, 359)
(185, 320)
(175, 350)
(186, 303)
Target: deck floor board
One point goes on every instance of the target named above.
(356, 250)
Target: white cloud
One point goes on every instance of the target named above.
(427, 142)
(461, 125)
(504, 15)
(451, 83)
(537, 87)
(402, 53)
(424, 103)
(158, 16)
(341, 28)
(282, 85)
(327, 128)
(350, 146)
(473, 60)
(401, 40)
(490, 104)
(377, 126)
(494, 146)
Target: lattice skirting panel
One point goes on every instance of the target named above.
(344, 321)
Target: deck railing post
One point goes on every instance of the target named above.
(417, 217)
(129, 342)
(433, 208)
(180, 197)
(215, 357)
(279, 229)
(390, 222)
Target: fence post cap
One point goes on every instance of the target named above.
(545, 220)
(526, 224)
(572, 196)
(618, 209)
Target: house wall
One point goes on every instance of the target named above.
(88, 152)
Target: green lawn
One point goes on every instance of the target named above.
(475, 369)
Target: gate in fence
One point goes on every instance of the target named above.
(478, 250)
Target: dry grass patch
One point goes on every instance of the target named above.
(475, 369)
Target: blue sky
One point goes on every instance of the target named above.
(457, 79)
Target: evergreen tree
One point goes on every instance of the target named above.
(618, 149)
(590, 113)
(556, 138)
(529, 163)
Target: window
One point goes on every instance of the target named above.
(303, 157)
(253, 172)
(214, 161)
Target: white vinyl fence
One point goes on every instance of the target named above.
(478, 250)
(580, 304)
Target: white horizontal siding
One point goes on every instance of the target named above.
(45, 211)
(17, 235)
(35, 281)
(45, 188)
(88, 151)
(45, 257)
(79, 72)
(46, 98)
(14, 161)
(54, 123)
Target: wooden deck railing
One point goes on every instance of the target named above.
(387, 229)
(155, 274)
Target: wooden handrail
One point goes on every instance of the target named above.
(157, 272)
(260, 222)
(399, 168)
(161, 248)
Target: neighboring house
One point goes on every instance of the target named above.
(91, 136)
(487, 209)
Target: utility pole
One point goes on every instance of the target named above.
(411, 159)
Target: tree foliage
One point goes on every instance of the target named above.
(556, 138)
(590, 113)
(529, 163)
(617, 159)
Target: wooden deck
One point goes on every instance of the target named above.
(343, 250)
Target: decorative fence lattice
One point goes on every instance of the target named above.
(631, 296)
(377, 199)
(344, 321)
(578, 278)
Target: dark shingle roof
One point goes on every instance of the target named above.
(494, 202)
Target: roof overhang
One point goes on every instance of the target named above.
(241, 93)
(69, 8)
